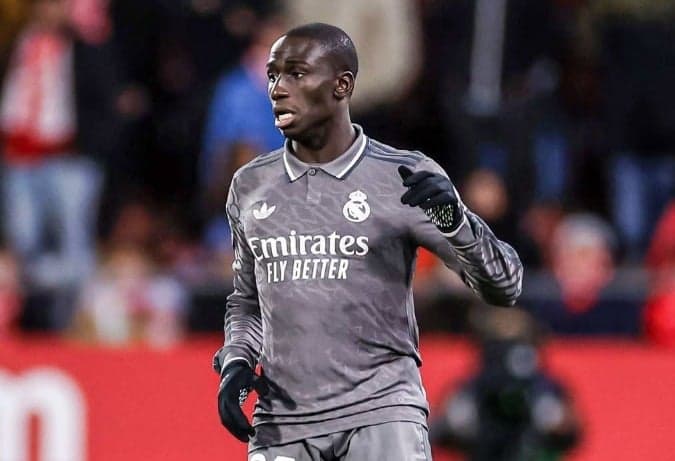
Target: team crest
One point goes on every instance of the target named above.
(356, 209)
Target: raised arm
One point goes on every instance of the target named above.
(489, 266)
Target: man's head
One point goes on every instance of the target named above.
(311, 72)
(582, 258)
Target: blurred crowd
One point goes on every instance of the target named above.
(122, 122)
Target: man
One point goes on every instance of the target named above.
(511, 408)
(58, 125)
(324, 255)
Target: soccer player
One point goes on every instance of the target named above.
(325, 234)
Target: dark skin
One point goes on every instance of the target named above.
(305, 81)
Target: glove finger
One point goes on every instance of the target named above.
(444, 198)
(260, 385)
(404, 172)
(416, 178)
(233, 418)
(421, 193)
(429, 186)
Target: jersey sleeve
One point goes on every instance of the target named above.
(243, 325)
(487, 265)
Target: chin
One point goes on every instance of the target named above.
(288, 133)
(294, 133)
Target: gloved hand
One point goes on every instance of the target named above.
(436, 195)
(237, 381)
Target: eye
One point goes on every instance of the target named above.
(271, 77)
(297, 75)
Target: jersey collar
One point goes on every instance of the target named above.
(338, 168)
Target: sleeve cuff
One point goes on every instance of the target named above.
(463, 235)
(232, 360)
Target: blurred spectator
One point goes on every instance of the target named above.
(61, 121)
(636, 41)
(485, 192)
(134, 296)
(10, 294)
(512, 409)
(537, 228)
(91, 21)
(240, 125)
(661, 255)
(584, 296)
(128, 301)
(660, 308)
(134, 224)
(178, 49)
(178, 253)
(493, 68)
(43, 175)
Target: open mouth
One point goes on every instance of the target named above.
(283, 119)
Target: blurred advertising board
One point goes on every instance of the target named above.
(65, 401)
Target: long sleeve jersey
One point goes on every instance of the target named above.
(322, 299)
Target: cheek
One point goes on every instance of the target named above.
(320, 98)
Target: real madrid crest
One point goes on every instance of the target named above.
(356, 209)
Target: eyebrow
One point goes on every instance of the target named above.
(272, 65)
(296, 61)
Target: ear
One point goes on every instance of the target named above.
(344, 85)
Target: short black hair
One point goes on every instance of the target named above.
(334, 39)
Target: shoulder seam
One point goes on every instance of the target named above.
(398, 160)
(263, 159)
(380, 148)
(265, 162)
(266, 155)
(260, 161)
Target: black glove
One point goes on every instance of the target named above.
(436, 195)
(237, 381)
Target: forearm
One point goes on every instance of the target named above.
(243, 333)
(490, 267)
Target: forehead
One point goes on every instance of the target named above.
(298, 49)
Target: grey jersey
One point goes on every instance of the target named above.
(322, 300)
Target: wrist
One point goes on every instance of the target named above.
(463, 236)
(234, 363)
(447, 218)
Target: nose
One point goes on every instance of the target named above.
(277, 90)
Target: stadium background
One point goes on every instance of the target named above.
(555, 118)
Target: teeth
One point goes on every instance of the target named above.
(283, 117)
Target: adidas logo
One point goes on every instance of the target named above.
(264, 211)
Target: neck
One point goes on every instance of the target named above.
(326, 143)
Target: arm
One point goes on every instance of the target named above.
(490, 267)
(236, 360)
(243, 325)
